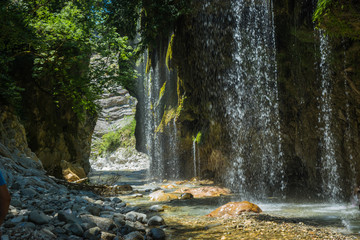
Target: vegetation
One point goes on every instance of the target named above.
(151, 19)
(110, 142)
(73, 52)
(339, 18)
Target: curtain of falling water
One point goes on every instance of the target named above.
(329, 168)
(251, 106)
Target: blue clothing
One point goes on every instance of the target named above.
(2, 180)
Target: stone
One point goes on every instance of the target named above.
(234, 209)
(103, 223)
(134, 236)
(157, 234)
(207, 191)
(156, 208)
(94, 210)
(185, 196)
(39, 217)
(93, 233)
(67, 217)
(135, 216)
(74, 228)
(15, 203)
(47, 234)
(156, 221)
(161, 196)
(29, 225)
(73, 172)
(29, 192)
(126, 229)
(107, 236)
(116, 200)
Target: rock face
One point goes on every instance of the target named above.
(118, 112)
(42, 209)
(115, 106)
(317, 104)
(234, 209)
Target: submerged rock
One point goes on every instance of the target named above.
(235, 209)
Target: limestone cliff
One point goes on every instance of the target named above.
(317, 99)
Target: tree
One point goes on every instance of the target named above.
(73, 51)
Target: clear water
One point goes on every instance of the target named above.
(343, 217)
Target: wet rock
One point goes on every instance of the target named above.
(134, 236)
(93, 233)
(94, 210)
(74, 228)
(135, 216)
(185, 196)
(29, 225)
(126, 229)
(156, 208)
(29, 192)
(157, 234)
(161, 196)
(103, 223)
(156, 221)
(107, 236)
(234, 209)
(207, 191)
(39, 217)
(68, 218)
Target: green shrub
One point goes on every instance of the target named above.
(110, 142)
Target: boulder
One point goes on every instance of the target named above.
(235, 209)
(161, 196)
(72, 172)
(39, 217)
(207, 191)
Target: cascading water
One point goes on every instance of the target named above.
(251, 104)
(161, 138)
(194, 157)
(329, 168)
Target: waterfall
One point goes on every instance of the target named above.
(152, 120)
(329, 170)
(252, 112)
(194, 157)
(161, 137)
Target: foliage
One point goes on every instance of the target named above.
(152, 19)
(61, 36)
(338, 18)
(124, 137)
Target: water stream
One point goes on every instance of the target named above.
(252, 103)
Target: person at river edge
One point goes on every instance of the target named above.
(4, 199)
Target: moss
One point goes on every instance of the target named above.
(110, 142)
(148, 64)
(338, 18)
(168, 116)
(162, 90)
(169, 54)
(197, 139)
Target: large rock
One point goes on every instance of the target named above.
(235, 209)
(72, 172)
(208, 191)
(161, 196)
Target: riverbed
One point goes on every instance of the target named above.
(186, 219)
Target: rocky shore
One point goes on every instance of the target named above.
(42, 209)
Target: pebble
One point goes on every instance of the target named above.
(42, 209)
